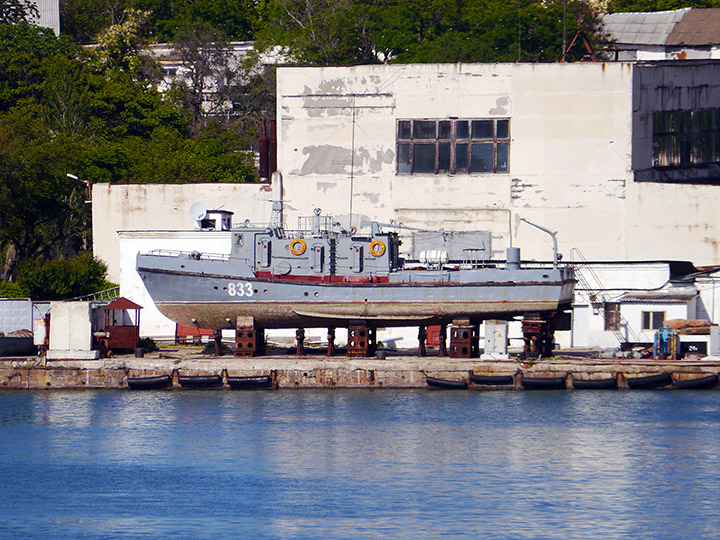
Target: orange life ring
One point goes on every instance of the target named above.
(298, 246)
(377, 248)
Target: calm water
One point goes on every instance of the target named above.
(359, 464)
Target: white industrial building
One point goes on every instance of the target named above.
(621, 159)
(49, 14)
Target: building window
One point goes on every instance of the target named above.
(454, 146)
(612, 316)
(652, 320)
(686, 138)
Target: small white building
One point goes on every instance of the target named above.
(679, 34)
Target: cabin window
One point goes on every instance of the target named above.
(686, 138)
(356, 258)
(652, 320)
(318, 256)
(453, 146)
(264, 252)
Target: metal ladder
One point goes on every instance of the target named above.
(599, 296)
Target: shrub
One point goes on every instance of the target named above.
(62, 279)
(148, 344)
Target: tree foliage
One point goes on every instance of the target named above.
(233, 18)
(97, 116)
(371, 31)
(207, 73)
(62, 279)
(119, 46)
(83, 20)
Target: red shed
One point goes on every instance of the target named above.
(121, 330)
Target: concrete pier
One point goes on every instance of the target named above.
(395, 371)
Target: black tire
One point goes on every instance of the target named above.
(595, 384)
(650, 382)
(698, 383)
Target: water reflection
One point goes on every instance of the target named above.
(360, 464)
(63, 408)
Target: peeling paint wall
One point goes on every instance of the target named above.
(672, 220)
(165, 207)
(571, 154)
(570, 148)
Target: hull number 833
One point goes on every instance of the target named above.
(240, 289)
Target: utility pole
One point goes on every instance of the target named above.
(564, 30)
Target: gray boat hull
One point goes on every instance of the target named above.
(213, 293)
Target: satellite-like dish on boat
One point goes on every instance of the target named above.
(198, 211)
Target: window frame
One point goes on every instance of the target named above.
(684, 139)
(648, 320)
(459, 146)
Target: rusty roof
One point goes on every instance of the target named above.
(673, 295)
(122, 303)
(698, 27)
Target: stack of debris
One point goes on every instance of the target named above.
(690, 327)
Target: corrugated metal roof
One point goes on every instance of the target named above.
(698, 27)
(643, 28)
(669, 296)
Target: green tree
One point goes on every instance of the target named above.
(62, 279)
(23, 50)
(215, 155)
(233, 18)
(253, 96)
(64, 112)
(367, 31)
(321, 31)
(83, 20)
(119, 47)
(207, 72)
(41, 209)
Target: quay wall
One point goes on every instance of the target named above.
(405, 372)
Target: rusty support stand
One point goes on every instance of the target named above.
(249, 340)
(464, 341)
(217, 336)
(443, 340)
(361, 341)
(422, 341)
(300, 341)
(331, 342)
(538, 335)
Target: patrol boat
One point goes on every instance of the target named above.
(322, 275)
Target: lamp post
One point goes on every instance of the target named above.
(88, 199)
(88, 185)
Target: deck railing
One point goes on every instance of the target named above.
(99, 296)
(190, 255)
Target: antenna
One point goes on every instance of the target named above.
(198, 211)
